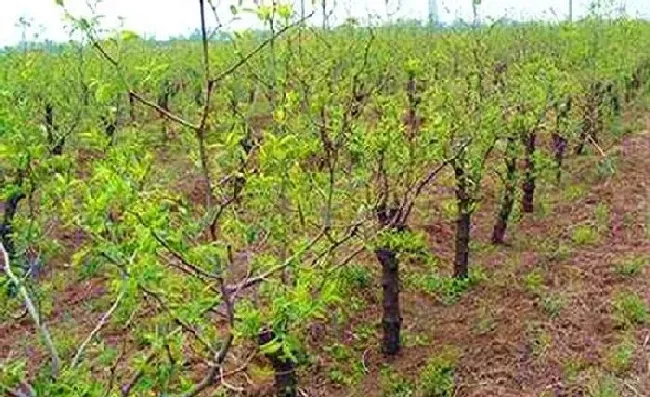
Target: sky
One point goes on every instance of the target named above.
(165, 18)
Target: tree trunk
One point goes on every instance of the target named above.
(463, 225)
(132, 108)
(286, 380)
(499, 231)
(6, 227)
(392, 320)
(528, 202)
(559, 146)
(461, 263)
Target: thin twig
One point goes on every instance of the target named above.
(593, 142)
(257, 49)
(98, 327)
(257, 279)
(162, 111)
(33, 313)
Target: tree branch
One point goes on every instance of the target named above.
(98, 327)
(54, 356)
(257, 49)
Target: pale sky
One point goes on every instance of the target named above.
(164, 18)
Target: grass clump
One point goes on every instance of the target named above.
(619, 358)
(396, 385)
(584, 235)
(437, 378)
(553, 303)
(631, 267)
(448, 290)
(603, 386)
(629, 309)
(534, 281)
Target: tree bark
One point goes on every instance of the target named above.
(461, 263)
(507, 203)
(6, 227)
(528, 202)
(463, 225)
(392, 320)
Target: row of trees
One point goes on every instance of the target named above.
(222, 189)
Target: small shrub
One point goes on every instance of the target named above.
(629, 309)
(437, 378)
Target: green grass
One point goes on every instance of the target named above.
(584, 235)
(395, 385)
(629, 309)
(437, 377)
(448, 290)
(553, 303)
(619, 358)
(602, 215)
(534, 281)
(631, 266)
(603, 386)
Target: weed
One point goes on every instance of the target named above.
(603, 386)
(540, 340)
(396, 385)
(561, 252)
(631, 267)
(553, 303)
(534, 281)
(629, 309)
(338, 377)
(415, 339)
(573, 367)
(574, 192)
(606, 168)
(448, 289)
(584, 235)
(602, 215)
(338, 351)
(437, 378)
(619, 357)
(364, 332)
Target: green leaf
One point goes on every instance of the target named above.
(273, 347)
(128, 35)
